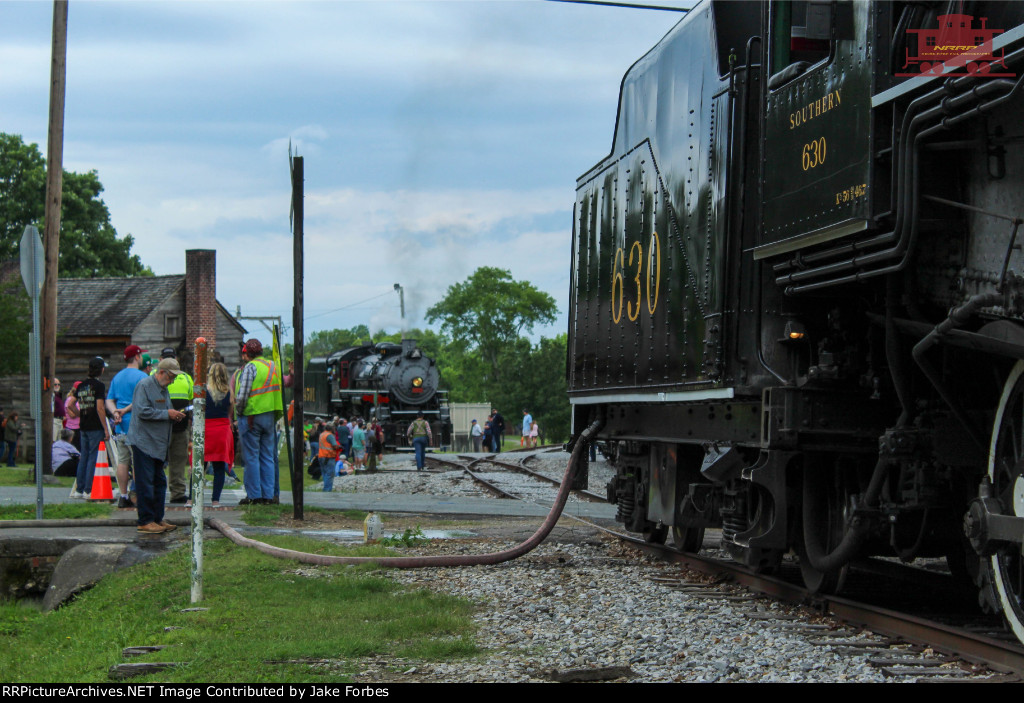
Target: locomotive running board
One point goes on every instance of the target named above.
(825, 234)
(658, 397)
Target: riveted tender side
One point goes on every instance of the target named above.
(796, 296)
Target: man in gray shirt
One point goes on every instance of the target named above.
(150, 437)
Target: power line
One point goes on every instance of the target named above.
(626, 4)
(345, 307)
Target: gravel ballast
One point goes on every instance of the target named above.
(584, 607)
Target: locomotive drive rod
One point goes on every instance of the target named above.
(421, 562)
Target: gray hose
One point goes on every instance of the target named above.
(421, 562)
(397, 562)
(856, 534)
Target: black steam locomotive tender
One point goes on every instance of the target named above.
(797, 294)
(387, 381)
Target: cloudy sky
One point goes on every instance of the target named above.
(437, 137)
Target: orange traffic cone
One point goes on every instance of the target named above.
(101, 489)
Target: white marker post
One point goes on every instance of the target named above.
(198, 466)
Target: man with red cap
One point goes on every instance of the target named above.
(258, 405)
(119, 407)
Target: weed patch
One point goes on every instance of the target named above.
(410, 538)
(258, 610)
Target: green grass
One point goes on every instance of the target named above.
(22, 475)
(259, 610)
(57, 511)
(266, 515)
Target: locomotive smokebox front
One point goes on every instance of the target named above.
(412, 378)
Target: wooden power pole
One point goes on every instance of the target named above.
(298, 379)
(51, 233)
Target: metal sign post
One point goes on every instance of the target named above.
(32, 274)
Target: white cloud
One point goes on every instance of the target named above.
(357, 245)
(433, 131)
(302, 141)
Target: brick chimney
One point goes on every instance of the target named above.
(201, 297)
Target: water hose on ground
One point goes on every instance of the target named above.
(421, 562)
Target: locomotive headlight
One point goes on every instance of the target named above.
(417, 382)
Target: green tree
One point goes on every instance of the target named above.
(22, 191)
(540, 386)
(326, 342)
(433, 344)
(89, 245)
(15, 326)
(489, 311)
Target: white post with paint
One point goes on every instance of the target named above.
(198, 466)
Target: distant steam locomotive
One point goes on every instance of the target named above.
(387, 381)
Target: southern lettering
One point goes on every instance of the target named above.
(815, 109)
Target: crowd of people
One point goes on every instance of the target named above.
(342, 446)
(12, 429)
(490, 436)
(143, 420)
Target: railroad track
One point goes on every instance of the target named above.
(905, 637)
(904, 645)
(496, 482)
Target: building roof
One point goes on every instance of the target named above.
(110, 306)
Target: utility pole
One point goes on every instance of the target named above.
(401, 300)
(263, 319)
(51, 233)
(298, 380)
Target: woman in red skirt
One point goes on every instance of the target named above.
(220, 447)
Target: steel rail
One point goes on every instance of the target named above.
(587, 495)
(582, 493)
(976, 648)
(1005, 657)
(501, 493)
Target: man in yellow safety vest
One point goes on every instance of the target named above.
(258, 404)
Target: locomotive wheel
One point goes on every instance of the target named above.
(828, 525)
(688, 539)
(655, 534)
(1006, 472)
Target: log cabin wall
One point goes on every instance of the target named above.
(100, 317)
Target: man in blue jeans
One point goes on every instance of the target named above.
(92, 395)
(419, 433)
(258, 405)
(149, 435)
(326, 452)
